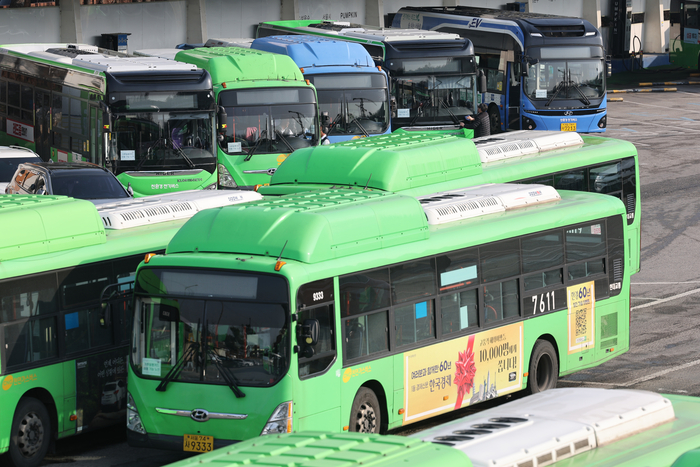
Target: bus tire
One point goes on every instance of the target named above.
(495, 119)
(544, 368)
(31, 433)
(366, 414)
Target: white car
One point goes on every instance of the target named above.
(114, 394)
(10, 158)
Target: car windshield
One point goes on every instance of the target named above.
(86, 184)
(212, 327)
(162, 141)
(8, 165)
(110, 387)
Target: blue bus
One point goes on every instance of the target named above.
(353, 93)
(432, 74)
(543, 72)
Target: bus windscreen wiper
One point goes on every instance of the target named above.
(357, 122)
(284, 140)
(454, 118)
(177, 368)
(263, 134)
(226, 373)
(333, 124)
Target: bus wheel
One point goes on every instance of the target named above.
(31, 433)
(544, 368)
(495, 119)
(366, 414)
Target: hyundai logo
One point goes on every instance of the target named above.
(199, 415)
(568, 112)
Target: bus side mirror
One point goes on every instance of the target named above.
(107, 122)
(310, 331)
(481, 82)
(106, 317)
(221, 119)
(325, 119)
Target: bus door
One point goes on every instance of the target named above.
(95, 141)
(317, 390)
(513, 99)
(42, 123)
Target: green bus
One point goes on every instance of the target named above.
(357, 310)
(62, 356)
(684, 49)
(149, 120)
(420, 163)
(574, 427)
(267, 111)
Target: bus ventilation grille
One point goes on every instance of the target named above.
(523, 143)
(618, 270)
(562, 31)
(126, 218)
(450, 206)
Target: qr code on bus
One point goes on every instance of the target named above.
(581, 323)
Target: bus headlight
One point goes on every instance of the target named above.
(225, 178)
(602, 123)
(211, 187)
(133, 420)
(280, 421)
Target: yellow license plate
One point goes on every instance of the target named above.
(568, 127)
(198, 443)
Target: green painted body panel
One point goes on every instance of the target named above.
(48, 381)
(684, 54)
(316, 449)
(35, 224)
(315, 226)
(145, 186)
(227, 64)
(206, 242)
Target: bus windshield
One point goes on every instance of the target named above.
(355, 102)
(267, 121)
(434, 89)
(558, 79)
(213, 328)
(162, 140)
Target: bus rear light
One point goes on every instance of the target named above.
(73, 418)
(280, 421)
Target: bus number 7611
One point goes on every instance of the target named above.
(543, 302)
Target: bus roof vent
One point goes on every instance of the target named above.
(523, 143)
(465, 203)
(544, 428)
(162, 208)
